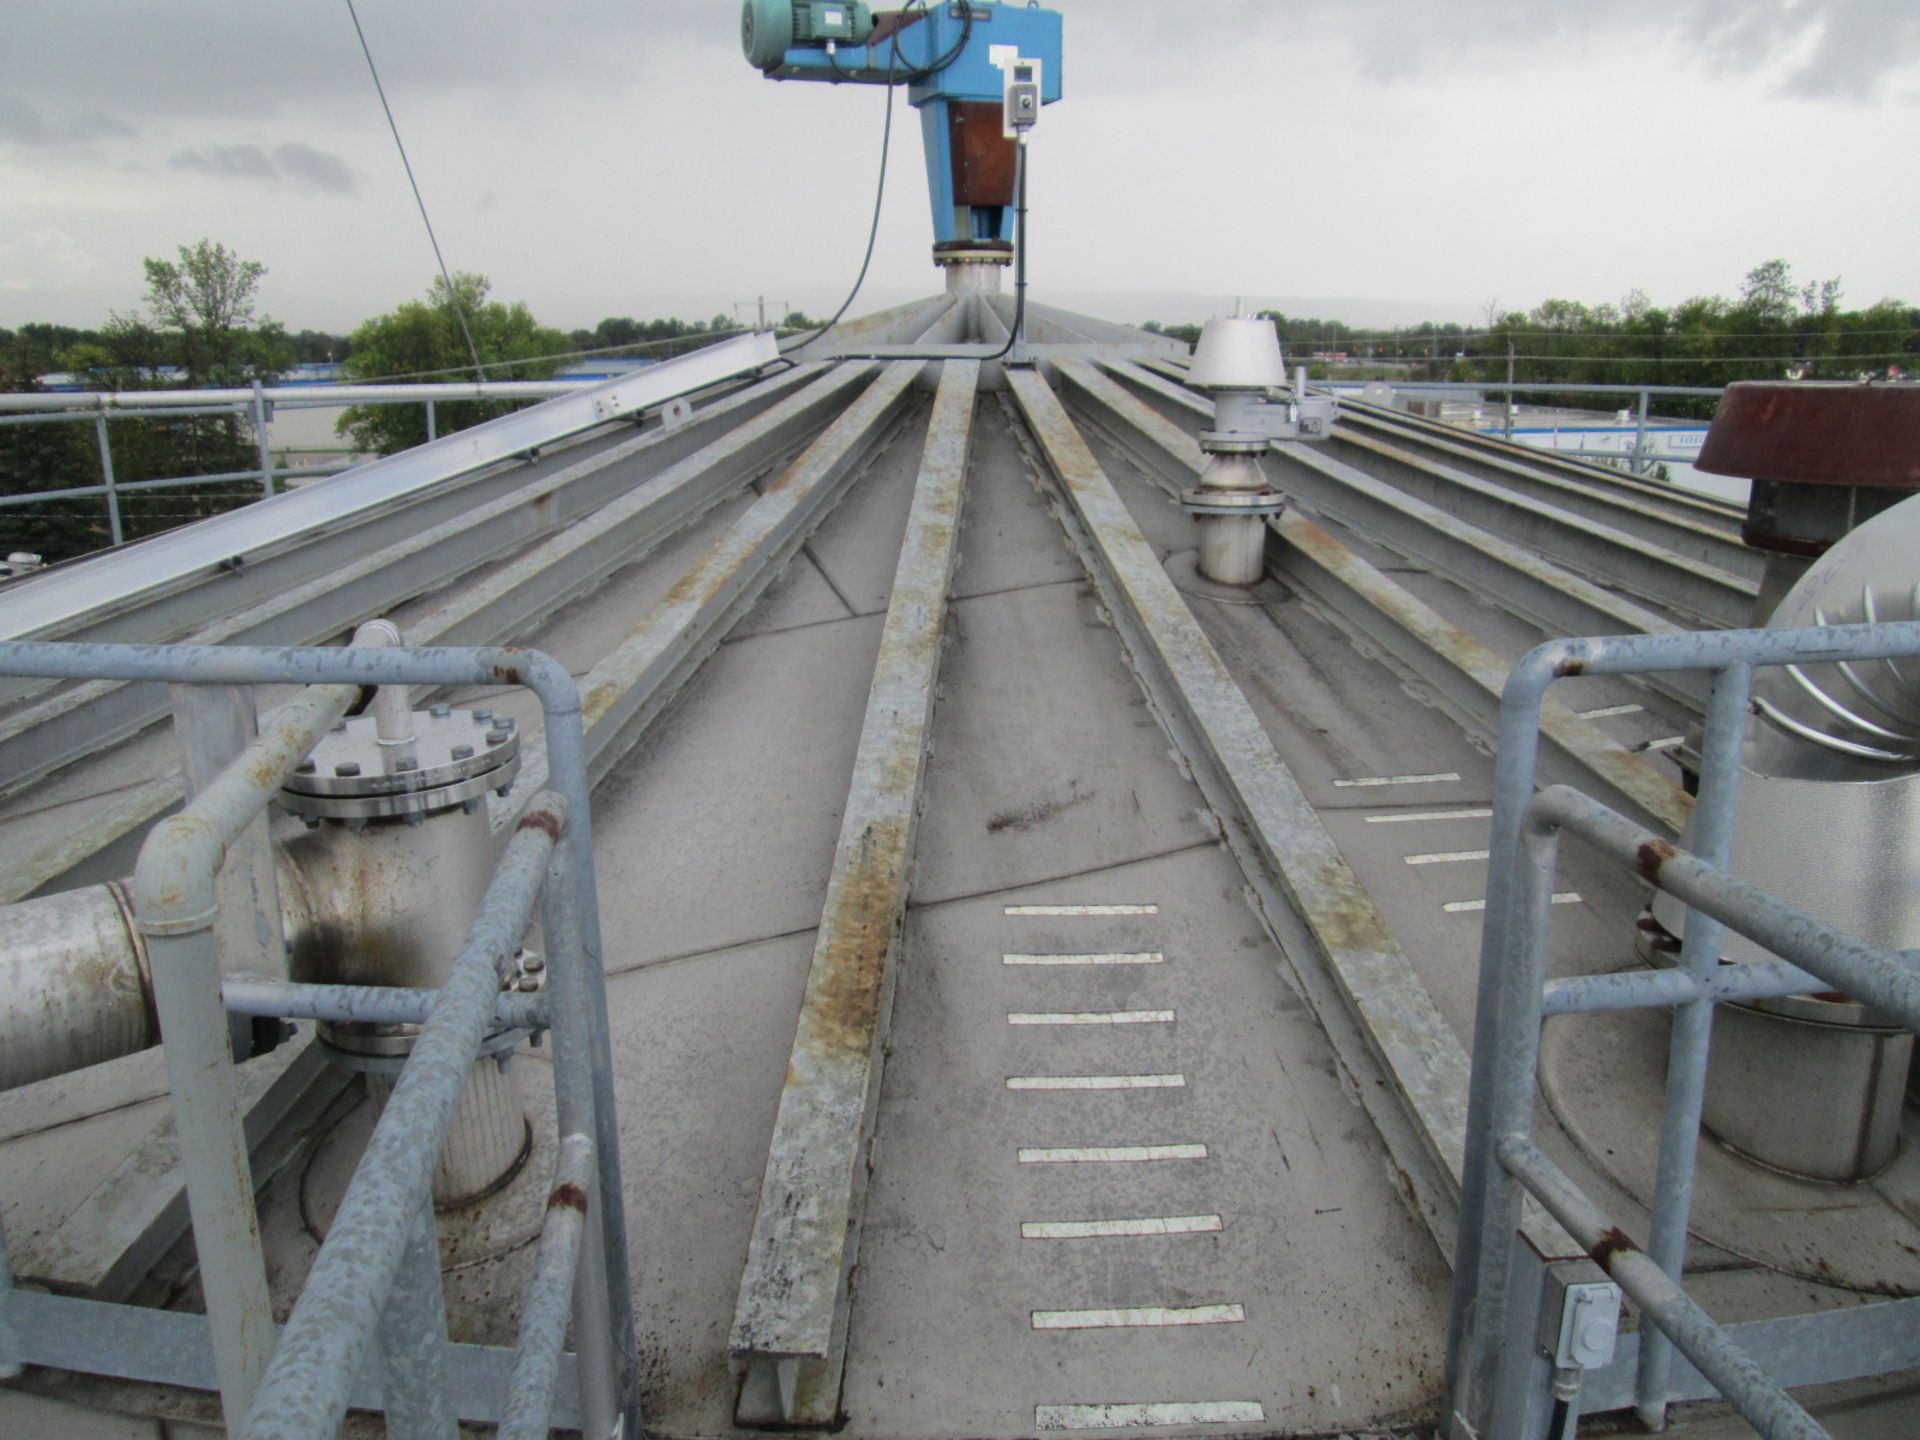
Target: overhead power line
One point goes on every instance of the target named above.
(453, 296)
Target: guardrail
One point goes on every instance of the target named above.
(256, 406)
(1500, 1386)
(373, 1296)
(1636, 457)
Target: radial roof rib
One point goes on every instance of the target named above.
(789, 1334)
(39, 737)
(499, 608)
(71, 602)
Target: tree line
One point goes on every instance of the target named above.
(201, 327)
(1775, 329)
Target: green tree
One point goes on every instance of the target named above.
(422, 339)
(204, 302)
(45, 457)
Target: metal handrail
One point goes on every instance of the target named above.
(378, 1270)
(1484, 1397)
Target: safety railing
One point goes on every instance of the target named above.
(373, 1299)
(256, 406)
(1501, 1382)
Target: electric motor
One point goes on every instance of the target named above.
(770, 28)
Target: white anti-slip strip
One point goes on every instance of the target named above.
(1103, 1229)
(1138, 1317)
(1473, 907)
(1446, 857)
(1430, 815)
(1096, 1082)
(1369, 782)
(1083, 910)
(1131, 1417)
(1093, 1017)
(1109, 1154)
(1129, 957)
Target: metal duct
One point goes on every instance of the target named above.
(1840, 721)
(74, 985)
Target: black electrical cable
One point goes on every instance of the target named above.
(873, 232)
(886, 144)
(1019, 255)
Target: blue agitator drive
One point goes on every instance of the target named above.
(971, 68)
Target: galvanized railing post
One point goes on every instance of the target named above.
(603, 1316)
(212, 726)
(106, 478)
(1640, 438)
(1518, 751)
(185, 959)
(1687, 1054)
(432, 432)
(260, 436)
(560, 1266)
(413, 1342)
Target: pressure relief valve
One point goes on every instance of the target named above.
(1238, 359)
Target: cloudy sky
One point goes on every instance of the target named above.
(599, 157)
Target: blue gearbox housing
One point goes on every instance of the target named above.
(952, 56)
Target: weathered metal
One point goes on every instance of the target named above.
(574, 945)
(1464, 675)
(109, 1244)
(1482, 1367)
(170, 1347)
(53, 603)
(1511, 576)
(212, 726)
(548, 1300)
(175, 907)
(1817, 433)
(789, 1330)
(1410, 1069)
(626, 691)
(1664, 1306)
(306, 1388)
(74, 986)
(412, 1335)
(611, 506)
(366, 1004)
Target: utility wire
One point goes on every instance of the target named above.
(453, 296)
(879, 199)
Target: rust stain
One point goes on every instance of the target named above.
(1652, 856)
(1572, 665)
(545, 821)
(845, 989)
(1613, 1242)
(568, 1197)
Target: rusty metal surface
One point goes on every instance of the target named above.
(983, 156)
(1410, 1067)
(792, 1309)
(1816, 433)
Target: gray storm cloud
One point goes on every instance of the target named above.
(293, 163)
(258, 60)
